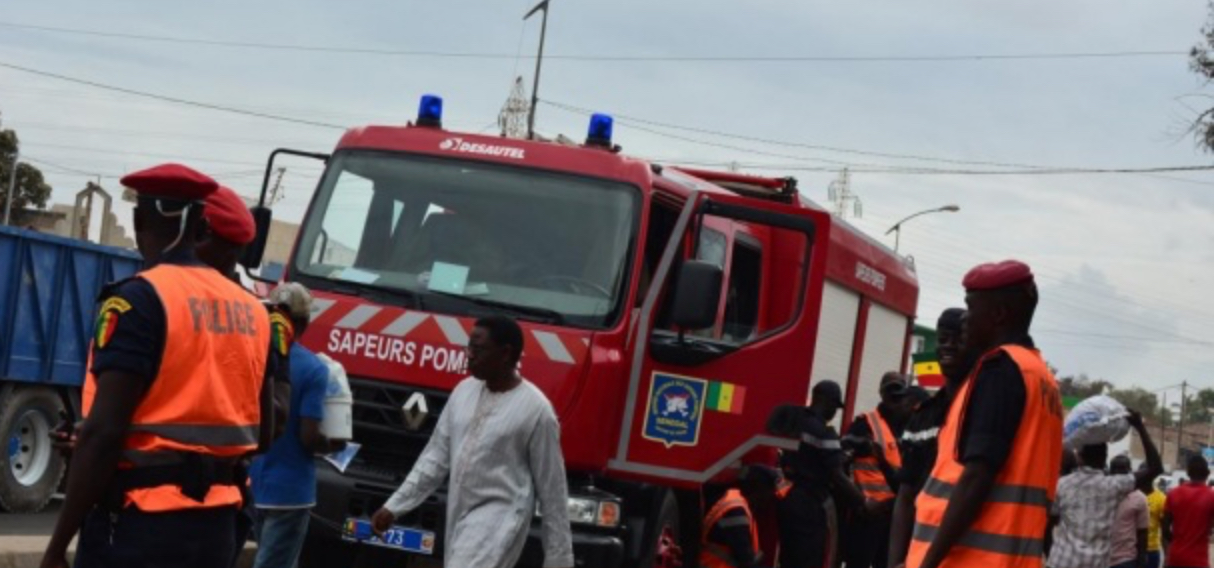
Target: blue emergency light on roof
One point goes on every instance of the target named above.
(430, 112)
(600, 130)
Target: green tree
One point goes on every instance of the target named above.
(32, 189)
(1082, 386)
(1198, 406)
(1140, 399)
(1201, 61)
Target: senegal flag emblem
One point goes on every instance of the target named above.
(281, 333)
(107, 320)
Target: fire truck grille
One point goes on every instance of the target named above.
(389, 445)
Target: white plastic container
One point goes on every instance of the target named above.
(339, 402)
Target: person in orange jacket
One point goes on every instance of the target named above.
(730, 536)
(175, 397)
(986, 502)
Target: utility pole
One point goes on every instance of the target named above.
(539, 60)
(1184, 386)
(1163, 428)
(840, 195)
(12, 187)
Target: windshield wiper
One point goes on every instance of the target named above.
(373, 292)
(542, 315)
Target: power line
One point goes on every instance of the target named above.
(973, 172)
(1047, 271)
(1024, 169)
(176, 100)
(788, 143)
(858, 168)
(354, 50)
(1125, 337)
(67, 169)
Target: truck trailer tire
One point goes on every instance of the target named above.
(30, 468)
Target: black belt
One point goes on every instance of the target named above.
(195, 476)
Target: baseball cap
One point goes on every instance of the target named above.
(295, 297)
(828, 390)
(894, 389)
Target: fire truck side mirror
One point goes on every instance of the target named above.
(256, 249)
(697, 295)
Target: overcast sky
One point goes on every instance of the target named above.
(1125, 262)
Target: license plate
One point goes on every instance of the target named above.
(397, 537)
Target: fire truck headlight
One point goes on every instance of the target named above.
(588, 511)
(583, 511)
(599, 133)
(430, 111)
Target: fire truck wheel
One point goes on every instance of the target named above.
(668, 553)
(30, 468)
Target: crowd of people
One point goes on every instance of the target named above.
(175, 466)
(974, 475)
(186, 363)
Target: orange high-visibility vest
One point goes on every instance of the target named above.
(713, 555)
(1010, 529)
(866, 470)
(206, 397)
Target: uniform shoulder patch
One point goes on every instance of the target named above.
(282, 333)
(107, 319)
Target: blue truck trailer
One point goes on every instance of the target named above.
(48, 292)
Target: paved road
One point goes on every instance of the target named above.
(40, 524)
(23, 537)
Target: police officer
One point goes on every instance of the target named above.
(231, 228)
(875, 470)
(730, 535)
(179, 359)
(807, 513)
(986, 502)
(918, 443)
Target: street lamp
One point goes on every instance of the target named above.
(897, 228)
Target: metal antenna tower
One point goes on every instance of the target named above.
(278, 192)
(513, 118)
(840, 195)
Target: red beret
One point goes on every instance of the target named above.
(229, 217)
(171, 181)
(995, 275)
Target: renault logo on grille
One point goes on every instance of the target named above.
(415, 410)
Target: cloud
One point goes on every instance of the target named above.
(1084, 325)
(1124, 247)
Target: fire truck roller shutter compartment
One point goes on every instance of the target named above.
(884, 339)
(836, 335)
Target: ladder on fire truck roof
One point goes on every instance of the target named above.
(783, 189)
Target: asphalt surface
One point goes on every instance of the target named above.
(39, 524)
(22, 537)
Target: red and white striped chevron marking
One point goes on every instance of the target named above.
(422, 326)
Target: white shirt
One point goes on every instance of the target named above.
(498, 452)
(1086, 503)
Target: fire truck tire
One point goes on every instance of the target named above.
(668, 549)
(30, 468)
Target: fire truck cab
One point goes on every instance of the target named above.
(666, 312)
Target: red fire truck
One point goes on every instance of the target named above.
(666, 310)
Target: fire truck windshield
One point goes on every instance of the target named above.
(470, 237)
